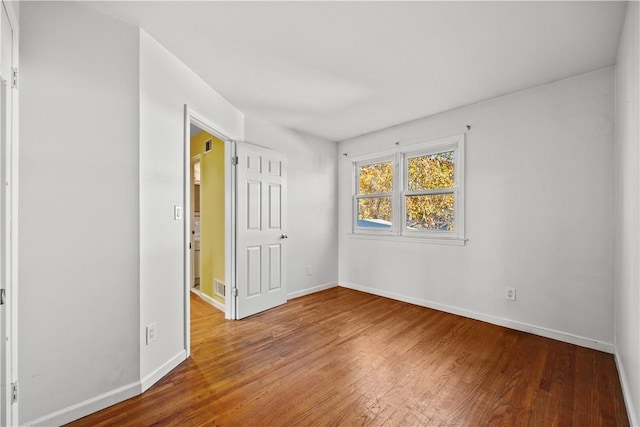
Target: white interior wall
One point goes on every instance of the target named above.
(71, 57)
(539, 214)
(78, 235)
(166, 85)
(627, 251)
(312, 208)
(161, 85)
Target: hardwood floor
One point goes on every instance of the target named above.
(342, 357)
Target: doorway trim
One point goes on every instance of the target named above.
(192, 117)
(192, 193)
(10, 224)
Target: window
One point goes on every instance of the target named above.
(373, 204)
(415, 191)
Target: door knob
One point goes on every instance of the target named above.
(284, 236)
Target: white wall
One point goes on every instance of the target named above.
(102, 137)
(627, 253)
(166, 85)
(312, 208)
(78, 236)
(540, 214)
(101, 169)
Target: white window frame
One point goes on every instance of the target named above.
(357, 196)
(400, 157)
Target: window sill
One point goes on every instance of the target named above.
(406, 239)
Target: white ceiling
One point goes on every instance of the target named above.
(342, 69)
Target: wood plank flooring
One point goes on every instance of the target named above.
(342, 357)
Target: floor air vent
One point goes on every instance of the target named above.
(218, 287)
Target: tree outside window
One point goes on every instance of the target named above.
(425, 191)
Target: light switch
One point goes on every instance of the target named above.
(177, 212)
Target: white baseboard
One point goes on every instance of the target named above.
(89, 406)
(100, 402)
(163, 370)
(308, 291)
(511, 324)
(626, 392)
(212, 301)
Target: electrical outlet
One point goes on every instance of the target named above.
(308, 270)
(510, 294)
(151, 333)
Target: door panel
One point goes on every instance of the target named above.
(275, 266)
(254, 208)
(254, 163)
(275, 207)
(274, 168)
(254, 271)
(261, 198)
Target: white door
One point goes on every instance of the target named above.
(261, 236)
(6, 76)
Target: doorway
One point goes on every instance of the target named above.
(244, 271)
(207, 216)
(209, 207)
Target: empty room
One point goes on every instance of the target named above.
(320, 213)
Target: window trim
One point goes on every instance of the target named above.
(357, 196)
(400, 157)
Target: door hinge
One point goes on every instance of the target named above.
(14, 78)
(14, 392)
(234, 161)
(2, 296)
(234, 292)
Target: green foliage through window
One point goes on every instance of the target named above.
(431, 211)
(431, 172)
(417, 193)
(374, 212)
(376, 178)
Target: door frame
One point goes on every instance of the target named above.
(192, 193)
(192, 117)
(10, 224)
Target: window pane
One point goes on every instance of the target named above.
(376, 178)
(430, 212)
(431, 172)
(374, 212)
